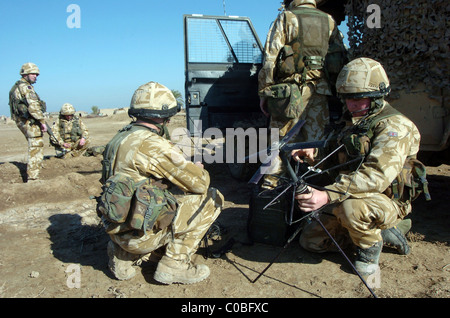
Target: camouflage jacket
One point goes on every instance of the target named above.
(69, 131)
(394, 139)
(283, 31)
(143, 154)
(26, 102)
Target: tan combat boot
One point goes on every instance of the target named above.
(120, 262)
(173, 271)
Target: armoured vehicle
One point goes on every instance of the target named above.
(223, 56)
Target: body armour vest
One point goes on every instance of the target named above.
(308, 50)
(75, 133)
(19, 108)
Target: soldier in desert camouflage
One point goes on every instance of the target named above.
(144, 152)
(294, 82)
(27, 110)
(70, 134)
(366, 213)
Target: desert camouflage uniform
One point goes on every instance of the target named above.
(65, 132)
(144, 154)
(23, 95)
(365, 210)
(314, 88)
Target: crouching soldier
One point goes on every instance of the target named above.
(70, 136)
(371, 200)
(139, 212)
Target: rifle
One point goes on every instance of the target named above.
(301, 186)
(53, 139)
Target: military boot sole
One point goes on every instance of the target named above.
(163, 275)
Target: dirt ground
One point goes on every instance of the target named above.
(49, 229)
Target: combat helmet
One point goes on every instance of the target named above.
(361, 78)
(299, 2)
(153, 100)
(67, 109)
(29, 68)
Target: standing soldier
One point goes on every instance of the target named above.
(303, 53)
(141, 154)
(70, 135)
(27, 110)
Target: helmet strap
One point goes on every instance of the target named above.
(163, 130)
(376, 104)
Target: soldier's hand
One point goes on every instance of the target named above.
(308, 153)
(82, 142)
(66, 145)
(43, 127)
(199, 164)
(312, 200)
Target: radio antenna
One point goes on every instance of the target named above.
(224, 8)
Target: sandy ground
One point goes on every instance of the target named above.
(50, 235)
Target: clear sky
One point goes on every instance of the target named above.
(120, 45)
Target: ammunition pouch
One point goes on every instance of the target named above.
(356, 144)
(126, 205)
(284, 101)
(410, 183)
(313, 62)
(153, 205)
(115, 201)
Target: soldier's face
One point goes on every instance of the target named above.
(358, 107)
(32, 78)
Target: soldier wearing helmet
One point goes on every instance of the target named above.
(141, 151)
(298, 74)
(70, 135)
(368, 207)
(27, 110)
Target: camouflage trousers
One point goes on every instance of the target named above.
(195, 215)
(35, 154)
(316, 116)
(357, 221)
(75, 150)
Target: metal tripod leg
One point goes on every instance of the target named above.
(278, 255)
(315, 215)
